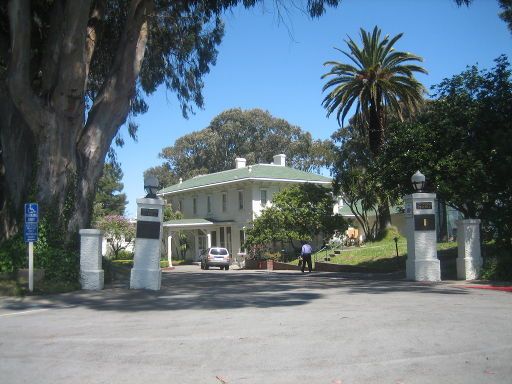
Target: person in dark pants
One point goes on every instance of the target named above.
(306, 252)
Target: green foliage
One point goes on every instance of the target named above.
(380, 81)
(170, 214)
(118, 231)
(353, 181)
(60, 265)
(297, 213)
(122, 262)
(13, 254)
(59, 259)
(183, 244)
(215, 148)
(109, 200)
(506, 14)
(461, 142)
(497, 263)
(124, 255)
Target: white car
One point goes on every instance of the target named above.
(215, 257)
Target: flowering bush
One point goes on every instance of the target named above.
(119, 232)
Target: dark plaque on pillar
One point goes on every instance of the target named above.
(149, 212)
(424, 222)
(148, 229)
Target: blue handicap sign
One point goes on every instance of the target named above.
(31, 213)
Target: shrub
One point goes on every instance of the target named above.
(497, 268)
(123, 255)
(276, 256)
(13, 255)
(59, 264)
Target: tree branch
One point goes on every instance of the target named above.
(112, 104)
(18, 73)
(52, 49)
(68, 96)
(94, 31)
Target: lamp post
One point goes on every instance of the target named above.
(151, 186)
(418, 181)
(422, 263)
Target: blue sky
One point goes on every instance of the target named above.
(264, 63)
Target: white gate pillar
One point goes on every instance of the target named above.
(469, 258)
(92, 277)
(146, 272)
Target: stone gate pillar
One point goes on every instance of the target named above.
(422, 263)
(146, 272)
(469, 258)
(92, 276)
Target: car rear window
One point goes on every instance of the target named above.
(219, 251)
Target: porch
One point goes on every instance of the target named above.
(190, 236)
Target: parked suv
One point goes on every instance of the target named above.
(215, 257)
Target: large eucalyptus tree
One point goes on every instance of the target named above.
(73, 72)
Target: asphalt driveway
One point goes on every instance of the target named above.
(260, 327)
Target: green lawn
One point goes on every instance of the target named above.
(382, 255)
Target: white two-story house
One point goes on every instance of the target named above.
(218, 207)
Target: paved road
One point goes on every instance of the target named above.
(260, 327)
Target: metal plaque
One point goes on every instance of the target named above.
(424, 205)
(148, 229)
(424, 222)
(149, 212)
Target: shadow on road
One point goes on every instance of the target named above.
(236, 289)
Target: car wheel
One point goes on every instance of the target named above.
(227, 267)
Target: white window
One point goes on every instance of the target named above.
(263, 196)
(240, 200)
(224, 202)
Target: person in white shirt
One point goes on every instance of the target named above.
(306, 252)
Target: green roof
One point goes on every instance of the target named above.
(263, 172)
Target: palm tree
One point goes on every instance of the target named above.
(381, 80)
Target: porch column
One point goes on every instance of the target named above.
(208, 239)
(169, 249)
(196, 243)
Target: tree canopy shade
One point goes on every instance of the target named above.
(73, 72)
(378, 80)
(252, 134)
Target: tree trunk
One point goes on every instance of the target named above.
(384, 218)
(50, 154)
(376, 127)
(17, 157)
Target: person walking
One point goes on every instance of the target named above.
(305, 253)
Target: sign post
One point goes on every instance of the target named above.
(30, 235)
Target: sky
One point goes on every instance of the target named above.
(276, 65)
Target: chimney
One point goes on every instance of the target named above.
(280, 160)
(239, 162)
